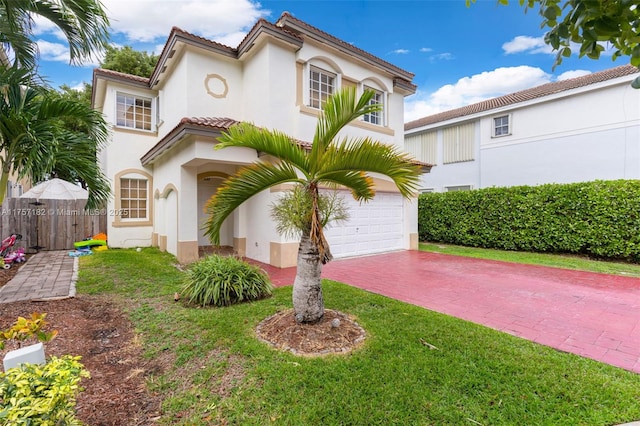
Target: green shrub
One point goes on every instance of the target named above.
(222, 281)
(43, 395)
(599, 219)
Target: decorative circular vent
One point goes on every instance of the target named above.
(216, 86)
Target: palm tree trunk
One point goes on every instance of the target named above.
(308, 302)
(4, 179)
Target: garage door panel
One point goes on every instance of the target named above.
(373, 227)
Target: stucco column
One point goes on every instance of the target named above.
(240, 230)
(411, 222)
(188, 215)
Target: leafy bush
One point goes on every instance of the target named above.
(24, 329)
(222, 281)
(599, 219)
(44, 395)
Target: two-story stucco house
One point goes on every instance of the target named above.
(161, 158)
(576, 130)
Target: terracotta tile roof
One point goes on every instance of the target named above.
(217, 123)
(525, 95)
(265, 25)
(197, 38)
(287, 18)
(187, 125)
(115, 75)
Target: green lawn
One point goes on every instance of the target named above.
(553, 260)
(477, 375)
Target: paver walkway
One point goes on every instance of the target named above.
(47, 275)
(589, 314)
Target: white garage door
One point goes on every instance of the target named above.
(373, 227)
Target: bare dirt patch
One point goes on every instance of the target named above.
(336, 333)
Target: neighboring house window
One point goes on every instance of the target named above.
(458, 143)
(458, 188)
(322, 84)
(427, 190)
(377, 99)
(133, 112)
(423, 146)
(133, 198)
(501, 126)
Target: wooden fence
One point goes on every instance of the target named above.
(49, 224)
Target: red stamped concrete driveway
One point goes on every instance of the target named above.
(589, 314)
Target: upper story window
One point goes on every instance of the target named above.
(501, 126)
(423, 146)
(375, 117)
(458, 143)
(134, 112)
(322, 84)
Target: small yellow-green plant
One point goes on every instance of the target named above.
(24, 329)
(45, 395)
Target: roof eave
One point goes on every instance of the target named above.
(174, 137)
(289, 22)
(263, 27)
(177, 37)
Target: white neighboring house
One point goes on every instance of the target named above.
(161, 161)
(582, 129)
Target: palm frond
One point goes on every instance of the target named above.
(341, 109)
(366, 155)
(271, 142)
(37, 139)
(75, 161)
(358, 182)
(15, 32)
(84, 24)
(239, 188)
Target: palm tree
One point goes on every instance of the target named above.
(41, 132)
(329, 163)
(84, 24)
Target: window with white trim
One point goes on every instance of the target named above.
(375, 117)
(322, 84)
(134, 198)
(501, 126)
(134, 112)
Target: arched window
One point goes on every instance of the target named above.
(133, 198)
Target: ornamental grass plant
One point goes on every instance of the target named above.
(223, 281)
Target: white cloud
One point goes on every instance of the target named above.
(526, 44)
(43, 26)
(469, 90)
(442, 57)
(147, 20)
(400, 51)
(49, 51)
(572, 74)
(426, 49)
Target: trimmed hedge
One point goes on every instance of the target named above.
(599, 219)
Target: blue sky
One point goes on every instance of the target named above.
(459, 55)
